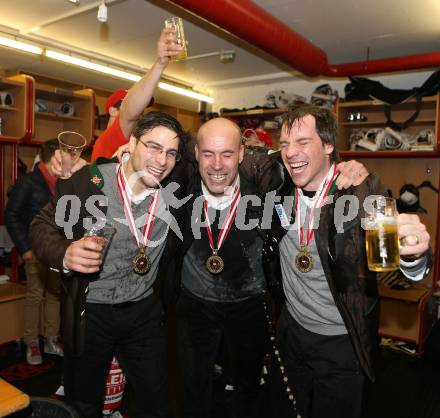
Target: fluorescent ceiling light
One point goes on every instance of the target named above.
(12, 43)
(122, 74)
(91, 65)
(84, 63)
(185, 92)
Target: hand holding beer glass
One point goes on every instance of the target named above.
(99, 232)
(71, 146)
(176, 23)
(382, 240)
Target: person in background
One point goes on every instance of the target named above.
(117, 127)
(31, 193)
(328, 329)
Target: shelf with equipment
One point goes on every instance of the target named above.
(350, 155)
(15, 122)
(34, 128)
(358, 117)
(58, 110)
(15, 127)
(56, 116)
(48, 124)
(25, 129)
(406, 314)
(425, 120)
(253, 112)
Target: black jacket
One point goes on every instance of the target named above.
(25, 199)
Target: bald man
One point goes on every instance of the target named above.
(222, 281)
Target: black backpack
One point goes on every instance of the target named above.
(362, 88)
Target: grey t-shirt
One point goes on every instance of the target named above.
(309, 299)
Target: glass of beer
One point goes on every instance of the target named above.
(382, 240)
(71, 146)
(100, 231)
(176, 23)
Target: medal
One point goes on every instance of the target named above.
(214, 263)
(141, 262)
(304, 260)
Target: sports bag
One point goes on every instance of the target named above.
(362, 88)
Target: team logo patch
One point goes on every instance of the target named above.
(95, 180)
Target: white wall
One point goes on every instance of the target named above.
(254, 94)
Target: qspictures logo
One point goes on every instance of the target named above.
(346, 209)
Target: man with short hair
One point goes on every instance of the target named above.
(328, 330)
(30, 193)
(222, 280)
(109, 305)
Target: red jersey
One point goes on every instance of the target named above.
(109, 141)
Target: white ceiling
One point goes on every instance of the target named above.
(344, 29)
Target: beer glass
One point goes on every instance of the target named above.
(177, 24)
(71, 146)
(382, 240)
(99, 231)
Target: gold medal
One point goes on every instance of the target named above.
(303, 260)
(141, 263)
(215, 263)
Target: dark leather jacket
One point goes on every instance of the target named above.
(343, 257)
(25, 199)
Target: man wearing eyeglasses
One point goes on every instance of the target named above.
(109, 305)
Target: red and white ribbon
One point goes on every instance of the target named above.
(227, 223)
(149, 220)
(321, 195)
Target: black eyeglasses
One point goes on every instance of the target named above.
(155, 149)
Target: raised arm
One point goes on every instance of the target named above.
(141, 93)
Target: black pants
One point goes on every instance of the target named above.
(134, 333)
(201, 325)
(323, 372)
